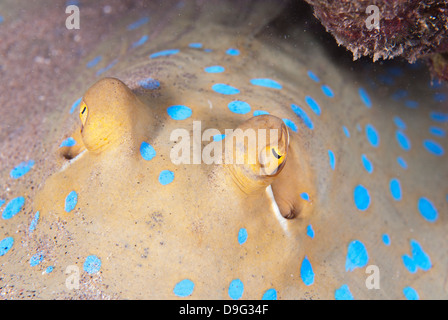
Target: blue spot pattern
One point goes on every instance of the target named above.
(107, 68)
(137, 24)
(233, 52)
(225, 89)
(5, 245)
(70, 201)
(310, 231)
(410, 293)
(306, 272)
(386, 239)
(184, 288)
(92, 264)
(437, 131)
(403, 140)
(164, 53)
(239, 107)
(395, 189)
(365, 97)
(357, 256)
(302, 115)
(36, 259)
(305, 196)
(313, 76)
(313, 105)
(92, 63)
(327, 91)
(34, 222)
(166, 177)
(433, 147)
(402, 162)
(427, 209)
(419, 258)
(179, 112)
(260, 112)
(270, 294)
(236, 289)
(242, 236)
(343, 293)
(214, 69)
(69, 142)
(361, 197)
(268, 83)
(13, 207)
(140, 42)
(75, 105)
(22, 169)
(372, 135)
(290, 124)
(332, 159)
(149, 84)
(195, 45)
(147, 151)
(367, 163)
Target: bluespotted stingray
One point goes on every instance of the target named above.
(352, 202)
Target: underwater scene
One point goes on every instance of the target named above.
(224, 150)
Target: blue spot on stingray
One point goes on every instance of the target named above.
(69, 142)
(2, 202)
(290, 124)
(225, 89)
(94, 62)
(70, 201)
(346, 132)
(419, 258)
(361, 197)
(440, 97)
(302, 115)
(260, 112)
(313, 76)
(195, 45)
(327, 91)
(13, 207)
(270, 294)
(149, 84)
(166, 177)
(306, 272)
(242, 236)
(147, 151)
(305, 196)
(218, 137)
(140, 42)
(268, 83)
(236, 289)
(427, 209)
(411, 104)
(5, 245)
(410, 293)
(332, 159)
(49, 269)
(214, 69)
(372, 135)
(36, 259)
(367, 164)
(108, 67)
(179, 112)
(34, 222)
(402, 163)
(208, 50)
(184, 288)
(22, 169)
(92, 264)
(433, 147)
(310, 231)
(437, 131)
(365, 97)
(313, 105)
(164, 53)
(439, 116)
(233, 52)
(386, 239)
(399, 94)
(395, 189)
(239, 107)
(75, 105)
(138, 23)
(343, 293)
(403, 140)
(399, 123)
(357, 256)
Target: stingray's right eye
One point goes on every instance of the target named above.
(84, 111)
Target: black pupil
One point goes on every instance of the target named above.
(276, 154)
(83, 110)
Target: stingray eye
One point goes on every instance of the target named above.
(271, 160)
(83, 112)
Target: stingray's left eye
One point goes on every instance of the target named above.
(275, 153)
(84, 111)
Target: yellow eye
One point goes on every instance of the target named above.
(278, 156)
(83, 112)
